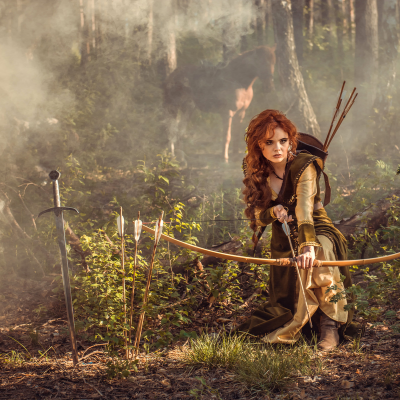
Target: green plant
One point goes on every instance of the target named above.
(13, 357)
(198, 393)
(215, 350)
(117, 368)
(260, 366)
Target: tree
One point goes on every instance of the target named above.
(388, 44)
(366, 53)
(165, 13)
(339, 16)
(293, 89)
(298, 22)
(349, 12)
(309, 11)
(260, 21)
(327, 19)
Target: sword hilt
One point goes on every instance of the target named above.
(55, 176)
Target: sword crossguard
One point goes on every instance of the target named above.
(58, 210)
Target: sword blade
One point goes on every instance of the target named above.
(67, 286)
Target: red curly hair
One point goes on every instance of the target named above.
(257, 192)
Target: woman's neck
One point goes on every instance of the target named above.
(279, 168)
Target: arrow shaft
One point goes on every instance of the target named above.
(300, 281)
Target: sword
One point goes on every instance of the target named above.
(58, 212)
(286, 229)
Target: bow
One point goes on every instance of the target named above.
(282, 262)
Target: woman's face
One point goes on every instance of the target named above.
(275, 149)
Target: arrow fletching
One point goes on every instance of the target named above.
(158, 230)
(121, 226)
(138, 228)
(286, 228)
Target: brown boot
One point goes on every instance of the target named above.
(329, 333)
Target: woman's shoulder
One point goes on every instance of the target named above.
(303, 160)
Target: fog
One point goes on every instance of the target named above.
(82, 89)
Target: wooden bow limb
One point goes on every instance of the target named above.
(283, 262)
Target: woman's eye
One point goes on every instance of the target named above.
(268, 142)
(283, 141)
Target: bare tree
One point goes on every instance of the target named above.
(293, 89)
(150, 26)
(165, 13)
(339, 16)
(298, 22)
(260, 21)
(268, 19)
(327, 19)
(349, 13)
(366, 53)
(388, 43)
(309, 11)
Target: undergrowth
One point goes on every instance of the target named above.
(260, 366)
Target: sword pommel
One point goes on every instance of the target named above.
(54, 175)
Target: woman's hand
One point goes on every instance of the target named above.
(281, 214)
(306, 260)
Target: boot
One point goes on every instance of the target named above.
(329, 333)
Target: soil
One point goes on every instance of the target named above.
(33, 321)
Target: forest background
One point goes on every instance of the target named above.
(82, 91)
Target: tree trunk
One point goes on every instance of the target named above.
(298, 21)
(327, 19)
(245, 22)
(388, 44)
(228, 39)
(349, 12)
(309, 10)
(293, 91)
(339, 16)
(166, 11)
(260, 21)
(268, 21)
(82, 32)
(366, 55)
(150, 26)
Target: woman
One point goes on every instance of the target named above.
(282, 185)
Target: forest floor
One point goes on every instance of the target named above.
(32, 322)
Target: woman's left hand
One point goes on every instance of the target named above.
(306, 260)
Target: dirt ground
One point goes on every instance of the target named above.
(32, 317)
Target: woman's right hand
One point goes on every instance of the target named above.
(281, 213)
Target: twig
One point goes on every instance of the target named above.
(95, 345)
(28, 211)
(98, 391)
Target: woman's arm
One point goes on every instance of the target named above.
(305, 191)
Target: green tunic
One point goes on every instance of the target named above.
(283, 290)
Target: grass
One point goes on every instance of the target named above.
(13, 357)
(259, 366)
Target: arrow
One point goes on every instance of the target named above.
(138, 230)
(157, 236)
(286, 229)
